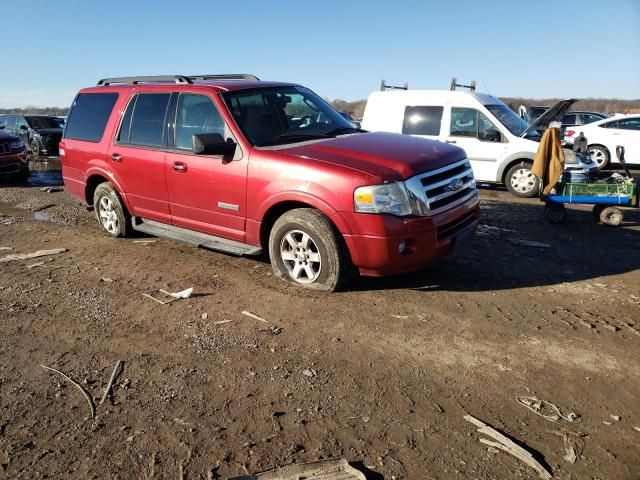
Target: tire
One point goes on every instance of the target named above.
(521, 182)
(597, 211)
(306, 249)
(555, 212)
(600, 155)
(110, 211)
(612, 216)
(34, 146)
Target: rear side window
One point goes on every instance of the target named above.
(569, 119)
(89, 116)
(147, 122)
(422, 120)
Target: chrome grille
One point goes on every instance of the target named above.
(5, 148)
(445, 187)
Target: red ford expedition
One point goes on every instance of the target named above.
(231, 163)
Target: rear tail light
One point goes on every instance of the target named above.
(569, 133)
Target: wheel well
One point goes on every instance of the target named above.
(92, 183)
(511, 164)
(272, 215)
(599, 145)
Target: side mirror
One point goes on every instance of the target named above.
(24, 127)
(2, 126)
(491, 136)
(212, 144)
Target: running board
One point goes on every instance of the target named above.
(158, 229)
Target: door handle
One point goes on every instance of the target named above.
(180, 167)
(116, 157)
(450, 141)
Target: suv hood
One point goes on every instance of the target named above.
(388, 156)
(8, 137)
(49, 131)
(554, 113)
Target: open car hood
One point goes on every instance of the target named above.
(554, 113)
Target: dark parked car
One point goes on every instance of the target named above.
(40, 133)
(582, 118)
(13, 157)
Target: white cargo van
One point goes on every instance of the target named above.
(500, 145)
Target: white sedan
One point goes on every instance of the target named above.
(605, 135)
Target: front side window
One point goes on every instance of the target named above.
(469, 122)
(196, 114)
(147, 121)
(589, 118)
(89, 115)
(422, 120)
(21, 122)
(629, 124)
(279, 115)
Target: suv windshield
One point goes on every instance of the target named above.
(279, 115)
(43, 122)
(508, 118)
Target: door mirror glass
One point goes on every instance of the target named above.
(490, 135)
(212, 144)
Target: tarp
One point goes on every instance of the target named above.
(549, 162)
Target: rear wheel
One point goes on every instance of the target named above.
(110, 211)
(612, 216)
(521, 181)
(600, 155)
(306, 250)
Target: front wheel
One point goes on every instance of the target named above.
(35, 148)
(306, 250)
(600, 155)
(521, 181)
(110, 211)
(555, 212)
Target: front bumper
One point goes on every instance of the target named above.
(13, 163)
(375, 249)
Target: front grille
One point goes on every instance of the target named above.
(440, 187)
(5, 148)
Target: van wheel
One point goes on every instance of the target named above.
(521, 181)
(110, 211)
(307, 250)
(600, 155)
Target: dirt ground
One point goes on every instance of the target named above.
(381, 375)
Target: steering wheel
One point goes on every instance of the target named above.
(305, 121)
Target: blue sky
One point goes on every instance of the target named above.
(340, 49)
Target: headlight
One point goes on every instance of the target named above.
(388, 198)
(16, 145)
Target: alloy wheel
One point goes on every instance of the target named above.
(301, 256)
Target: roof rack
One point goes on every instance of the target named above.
(384, 86)
(471, 87)
(182, 79)
(225, 76)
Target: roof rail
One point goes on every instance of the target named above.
(148, 79)
(384, 86)
(225, 76)
(471, 87)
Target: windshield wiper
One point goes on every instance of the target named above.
(340, 130)
(292, 137)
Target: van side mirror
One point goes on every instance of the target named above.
(491, 136)
(212, 144)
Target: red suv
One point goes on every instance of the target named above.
(231, 163)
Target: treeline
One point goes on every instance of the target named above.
(35, 110)
(604, 105)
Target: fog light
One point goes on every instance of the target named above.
(402, 247)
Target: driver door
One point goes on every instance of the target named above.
(471, 130)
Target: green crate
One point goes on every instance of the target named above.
(599, 189)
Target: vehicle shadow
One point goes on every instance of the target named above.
(501, 256)
(45, 172)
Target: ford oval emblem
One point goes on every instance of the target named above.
(455, 185)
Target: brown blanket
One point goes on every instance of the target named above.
(549, 162)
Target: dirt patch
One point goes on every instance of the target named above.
(381, 374)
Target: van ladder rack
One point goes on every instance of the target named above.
(384, 86)
(471, 87)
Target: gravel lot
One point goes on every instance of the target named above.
(381, 374)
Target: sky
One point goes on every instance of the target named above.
(339, 49)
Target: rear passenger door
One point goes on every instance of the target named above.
(207, 193)
(137, 155)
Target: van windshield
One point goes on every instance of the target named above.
(279, 115)
(508, 118)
